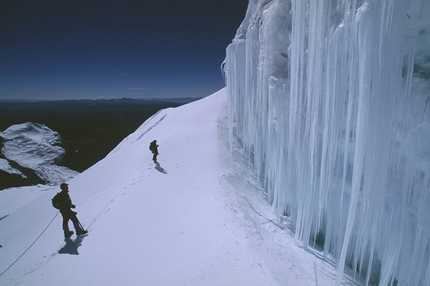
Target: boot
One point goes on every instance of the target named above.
(68, 233)
(81, 232)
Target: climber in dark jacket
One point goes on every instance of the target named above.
(154, 149)
(65, 210)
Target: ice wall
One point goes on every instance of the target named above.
(331, 100)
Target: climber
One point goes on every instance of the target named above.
(65, 206)
(154, 149)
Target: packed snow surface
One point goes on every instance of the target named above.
(195, 218)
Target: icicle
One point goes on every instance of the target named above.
(330, 101)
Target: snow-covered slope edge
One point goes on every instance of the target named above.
(176, 223)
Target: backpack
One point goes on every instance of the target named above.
(56, 201)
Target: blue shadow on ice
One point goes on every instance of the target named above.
(71, 246)
(159, 168)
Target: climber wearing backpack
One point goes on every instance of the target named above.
(64, 204)
(154, 149)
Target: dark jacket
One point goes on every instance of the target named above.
(154, 147)
(65, 202)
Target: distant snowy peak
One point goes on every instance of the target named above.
(35, 131)
(31, 144)
(35, 146)
(32, 131)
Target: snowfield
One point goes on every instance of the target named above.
(184, 221)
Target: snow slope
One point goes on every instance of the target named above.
(184, 221)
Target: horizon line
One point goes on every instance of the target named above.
(101, 99)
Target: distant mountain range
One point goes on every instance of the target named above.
(182, 100)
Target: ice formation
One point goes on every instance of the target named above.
(331, 100)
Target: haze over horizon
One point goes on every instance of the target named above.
(113, 49)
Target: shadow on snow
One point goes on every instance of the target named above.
(159, 168)
(71, 246)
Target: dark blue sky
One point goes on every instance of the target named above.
(57, 49)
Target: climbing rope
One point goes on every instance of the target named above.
(30, 245)
(123, 181)
(119, 184)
